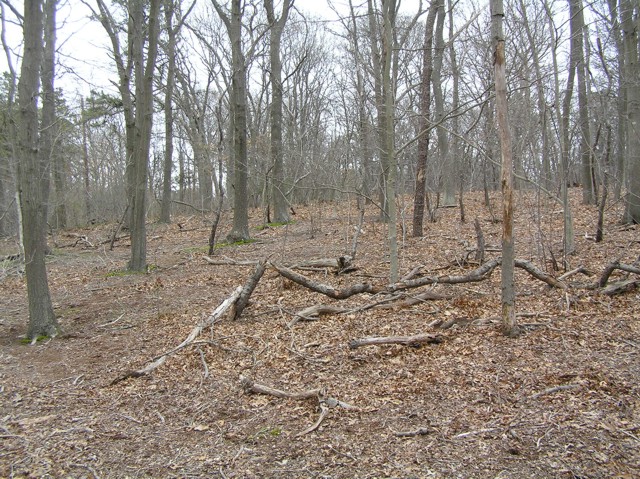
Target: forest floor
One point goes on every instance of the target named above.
(560, 401)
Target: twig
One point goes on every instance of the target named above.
(423, 431)
(324, 410)
(555, 389)
(413, 341)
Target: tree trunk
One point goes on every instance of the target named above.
(233, 24)
(390, 166)
(447, 175)
(577, 30)
(630, 12)
(144, 121)
(165, 206)
(33, 168)
(510, 327)
(424, 122)
(86, 174)
(280, 205)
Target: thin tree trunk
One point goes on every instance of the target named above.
(280, 204)
(424, 122)
(510, 327)
(165, 206)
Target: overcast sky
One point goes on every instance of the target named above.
(82, 44)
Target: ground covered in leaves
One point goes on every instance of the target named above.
(562, 400)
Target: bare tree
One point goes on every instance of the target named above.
(509, 325)
(424, 128)
(280, 206)
(233, 23)
(630, 13)
(33, 168)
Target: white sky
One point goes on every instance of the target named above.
(83, 60)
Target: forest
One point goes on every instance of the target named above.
(394, 239)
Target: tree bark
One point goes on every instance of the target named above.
(424, 122)
(144, 71)
(33, 172)
(233, 24)
(165, 206)
(280, 204)
(630, 11)
(510, 327)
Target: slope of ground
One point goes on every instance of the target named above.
(562, 400)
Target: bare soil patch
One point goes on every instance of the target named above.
(560, 401)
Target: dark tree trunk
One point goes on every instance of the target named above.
(33, 168)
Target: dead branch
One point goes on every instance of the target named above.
(225, 261)
(413, 300)
(413, 273)
(324, 410)
(325, 289)
(611, 267)
(422, 431)
(251, 386)
(324, 403)
(413, 341)
(539, 274)
(621, 287)
(478, 274)
(248, 288)
(573, 272)
(554, 389)
(195, 332)
(312, 313)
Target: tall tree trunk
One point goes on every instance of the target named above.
(509, 325)
(165, 206)
(447, 176)
(144, 121)
(424, 121)
(33, 168)
(630, 13)
(390, 167)
(233, 24)
(577, 32)
(280, 205)
(86, 174)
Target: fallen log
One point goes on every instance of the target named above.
(195, 332)
(479, 274)
(248, 288)
(322, 288)
(413, 341)
(539, 274)
(611, 267)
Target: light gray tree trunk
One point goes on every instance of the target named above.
(165, 206)
(86, 174)
(630, 13)
(33, 171)
(280, 205)
(510, 328)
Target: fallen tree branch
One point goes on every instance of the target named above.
(312, 313)
(478, 274)
(602, 282)
(539, 274)
(248, 288)
(195, 332)
(555, 389)
(251, 386)
(413, 341)
(422, 431)
(324, 403)
(325, 289)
